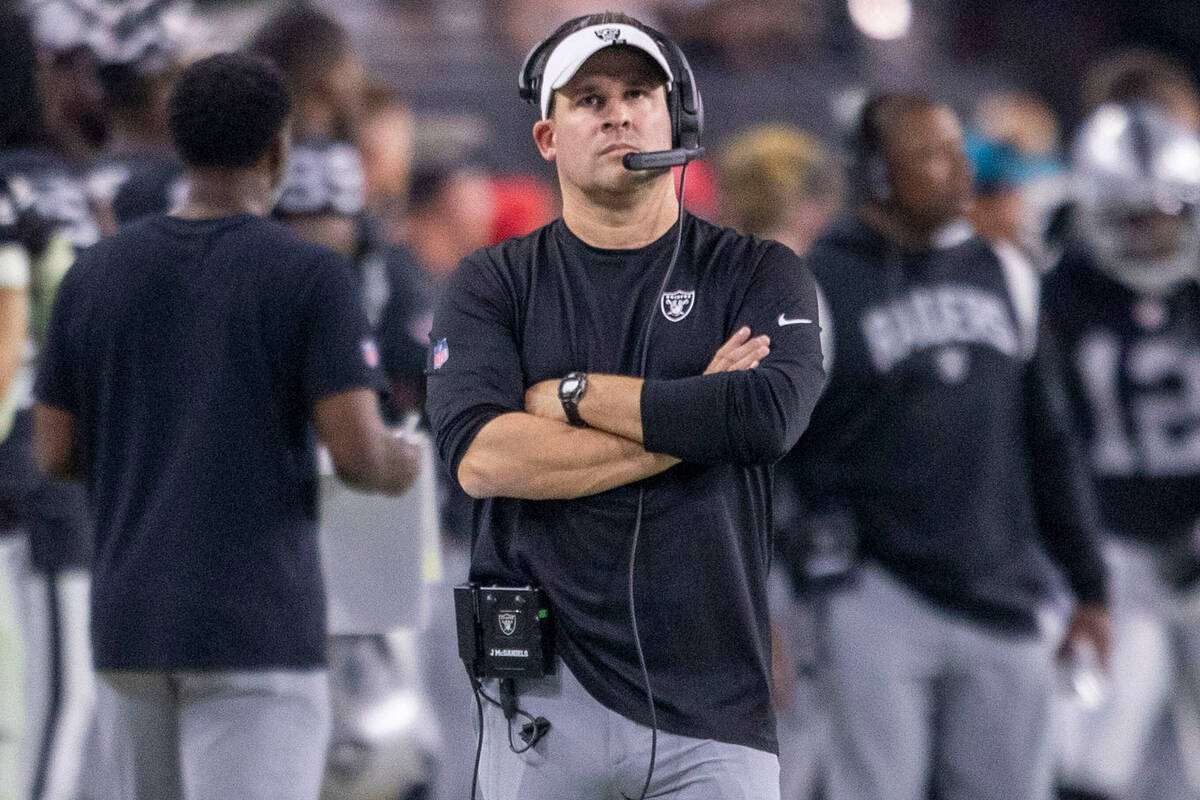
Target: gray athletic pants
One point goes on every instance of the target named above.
(592, 753)
(212, 735)
(922, 699)
(1155, 667)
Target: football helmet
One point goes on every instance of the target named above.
(1136, 188)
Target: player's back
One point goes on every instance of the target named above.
(188, 357)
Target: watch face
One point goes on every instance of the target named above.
(569, 386)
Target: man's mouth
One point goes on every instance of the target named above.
(619, 147)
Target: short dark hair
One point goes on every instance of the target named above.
(226, 109)
(1136, 74)
(303, 42)
(879, 113)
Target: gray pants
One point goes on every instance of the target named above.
(213, 735)
(1155, 668)
(921, 699)
(592, 753)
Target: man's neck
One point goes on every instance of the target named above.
(216, 193)
(622, 222)
(895, 226)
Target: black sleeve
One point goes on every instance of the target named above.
(55, 384)
(754, 416)
(474, 372)
(1066, 506)
(402, 333)
(340, 353)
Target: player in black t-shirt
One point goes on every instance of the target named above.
(1124, 305)
(659, 441)
(188, 360)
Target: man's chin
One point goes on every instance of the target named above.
(614, 178)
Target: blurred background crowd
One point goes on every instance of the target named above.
(412, 150)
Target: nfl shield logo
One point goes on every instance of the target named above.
(508, 622)
(441, 352)
(677, 305)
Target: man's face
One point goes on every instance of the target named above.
(615, 104)
(344, 87)
(72, 96)
(1149, 234)
(928, 169)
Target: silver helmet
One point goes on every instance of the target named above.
(1136, 188)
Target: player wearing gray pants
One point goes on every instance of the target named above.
(916, 691)
(1155, 668)
(593, 753)
(940, 448)
(187, 734)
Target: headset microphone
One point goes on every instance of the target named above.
(661, 159)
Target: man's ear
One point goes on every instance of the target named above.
(543, 137)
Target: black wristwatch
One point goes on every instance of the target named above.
(570, 392)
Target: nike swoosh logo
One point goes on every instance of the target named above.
(785, 321)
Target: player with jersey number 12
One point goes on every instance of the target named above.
(1124, 303)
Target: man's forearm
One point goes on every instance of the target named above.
(528, 457)
(13, 315)
(613, 403)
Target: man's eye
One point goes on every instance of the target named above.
(590, 100)
(635, 94)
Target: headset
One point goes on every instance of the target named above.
(683, 99)
(869, 175)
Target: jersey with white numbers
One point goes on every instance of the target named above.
(1132, 365)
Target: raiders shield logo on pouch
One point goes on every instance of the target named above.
(677, 305)
(508, 622)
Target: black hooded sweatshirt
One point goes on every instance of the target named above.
(940, 433)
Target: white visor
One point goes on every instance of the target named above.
(569, 54)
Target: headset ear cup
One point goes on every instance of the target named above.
(691, 120)
(687, 109)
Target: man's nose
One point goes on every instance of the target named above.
(619, 115)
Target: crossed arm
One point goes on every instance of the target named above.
(536, 455)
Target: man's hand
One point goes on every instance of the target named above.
(541, 400)
(1089, 623)
(740, 352)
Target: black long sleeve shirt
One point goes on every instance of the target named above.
(542, 305)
